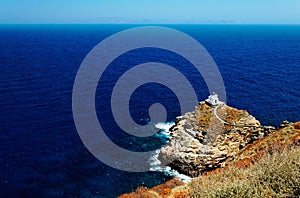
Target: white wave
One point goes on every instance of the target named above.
(157, 167)
(155, 164)
(164, 126)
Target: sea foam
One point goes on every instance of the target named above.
(164, 127)
(155, 163)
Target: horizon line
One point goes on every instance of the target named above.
(75, 23)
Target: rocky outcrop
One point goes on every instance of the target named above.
(209, 138)
(297, 125)
(279, 141)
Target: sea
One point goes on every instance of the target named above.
(41, 153)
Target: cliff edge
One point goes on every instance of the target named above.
(210, 137)
(230, 153)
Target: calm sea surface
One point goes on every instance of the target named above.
(41, 154)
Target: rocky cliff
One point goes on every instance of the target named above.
(214, 139)
(210, 137)
(284, 140)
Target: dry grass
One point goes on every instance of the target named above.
(269, 167)
(275, 175)
(173, 188)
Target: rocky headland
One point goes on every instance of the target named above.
(213, 138)
(209, 137)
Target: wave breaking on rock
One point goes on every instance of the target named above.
(209, 137)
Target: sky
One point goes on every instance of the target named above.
(150, 11)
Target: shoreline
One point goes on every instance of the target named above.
(236, 132)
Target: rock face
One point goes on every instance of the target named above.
(209, 138)
(280, 140)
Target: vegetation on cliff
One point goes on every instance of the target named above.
(274, 175)
(269, 167)
(231, 155)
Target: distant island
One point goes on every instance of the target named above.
(216, 139)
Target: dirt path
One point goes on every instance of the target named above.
(215, 113)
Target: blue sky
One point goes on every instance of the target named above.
(150, 11)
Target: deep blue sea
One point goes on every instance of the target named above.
(41, 154)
